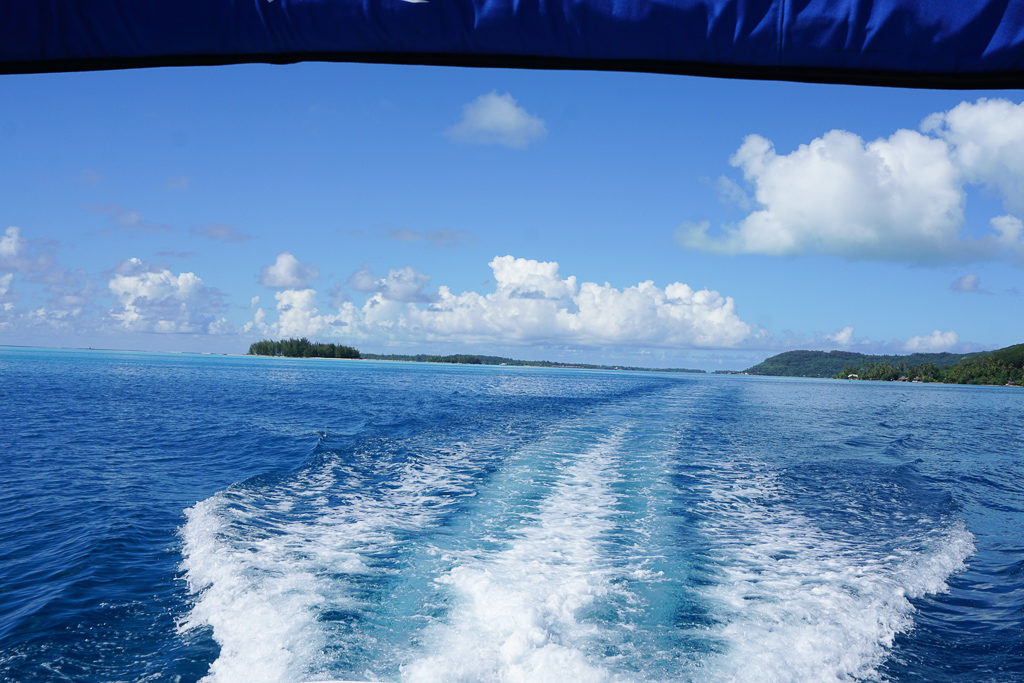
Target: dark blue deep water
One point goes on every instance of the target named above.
(174, 517)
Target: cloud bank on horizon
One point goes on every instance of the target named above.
(531, 303)
(899, 198)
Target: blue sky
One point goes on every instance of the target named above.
(602, 217)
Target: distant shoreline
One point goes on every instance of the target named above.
(492, 361)
(1001, 367)
(397, 358)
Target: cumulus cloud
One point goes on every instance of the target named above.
(56, 319)
(986, 140)
(297, 316)
(890, 198)
(287, 273)
(933, 343)
(12, 245)
(298, 313)
(404, 284)
(74, 297)
(730, 192)
(157, 300)
(494, 119)
(69, 293)
(843, 337)
(531, 303)
(895, 198)
(22, 256)
(6, 297)
(1008, 231)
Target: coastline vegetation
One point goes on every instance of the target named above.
(303, 348)
(834, 363)
(1003, 367)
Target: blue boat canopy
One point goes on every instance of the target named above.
(913, 43)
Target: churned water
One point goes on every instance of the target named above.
(174, 517)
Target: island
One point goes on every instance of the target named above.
(303, 348)
(1000, 367)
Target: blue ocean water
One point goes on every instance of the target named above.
(177, 518)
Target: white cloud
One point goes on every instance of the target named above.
(967, 283)
(6, 305)
(531, 303)
(403, 284)
(730, 192)
(363, 280)
(298, 313)
(893, 198)
(258, 323)
(528, 279)
(159, 301)
(287, 273)
(932, 343)
(11, 244)
(297, 316)
(897, 198)
(1009, 231)
(55, 319)
(220, 326)
(34, 257)
(987, 142)
(494, 119)
(843, 337)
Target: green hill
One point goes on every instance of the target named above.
(831, 363)
(1002, 366)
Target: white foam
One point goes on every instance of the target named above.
(798, 604)
(261, 618)
(514, 616)
(261, 572)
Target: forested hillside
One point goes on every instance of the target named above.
(1003, 366)
(831, 363)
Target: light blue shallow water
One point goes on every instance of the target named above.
(168, 517)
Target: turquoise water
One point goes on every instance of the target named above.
(175, 517)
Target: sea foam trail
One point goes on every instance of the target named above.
(796, 603)
(515, 614)
(265, 564)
